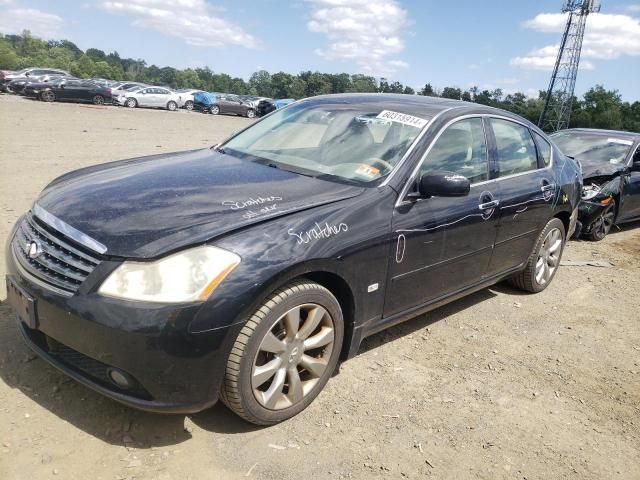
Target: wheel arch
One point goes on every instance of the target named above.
(325, 275)
(565, 218)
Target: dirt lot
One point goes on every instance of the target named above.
(497, 385)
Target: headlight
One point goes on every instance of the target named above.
(187, 276)
(590, 191)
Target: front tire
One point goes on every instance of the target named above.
(544, 260)
(601, 227)
(285, 354)
(131, 103)
(172, 106)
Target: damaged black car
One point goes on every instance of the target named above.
(611, 170)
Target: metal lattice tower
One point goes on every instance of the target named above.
(558, 102)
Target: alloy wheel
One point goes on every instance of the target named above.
(251, 114)
(293, 356)
(47, 96)
(98, 100)
(215, 110)
(549, 256)
(604, 223)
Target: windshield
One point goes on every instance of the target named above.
(357, 142)
(593, 148)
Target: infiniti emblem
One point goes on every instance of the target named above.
(34, 249)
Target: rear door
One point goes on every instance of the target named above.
(146, 97)
(443, 245)
(162, 97)
(69, 90)
(527, 189)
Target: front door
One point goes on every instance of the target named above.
(443, 245)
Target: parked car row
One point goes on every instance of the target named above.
(51, 85)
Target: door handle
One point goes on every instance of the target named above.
(488, 205)
(548, 187)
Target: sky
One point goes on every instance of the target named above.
(492, 44)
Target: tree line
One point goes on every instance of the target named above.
(598, 107)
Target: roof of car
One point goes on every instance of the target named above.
(610, 133)
(418, 105)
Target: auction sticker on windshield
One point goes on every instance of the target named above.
(403, 118)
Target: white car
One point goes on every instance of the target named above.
(187, 96)
(152, 97)
(120, 87)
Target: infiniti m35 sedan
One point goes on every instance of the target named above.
(247, 270)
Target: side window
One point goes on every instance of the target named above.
(462, 149)
(162, 91)
(636, 157)
(544, 149)
(515, 147)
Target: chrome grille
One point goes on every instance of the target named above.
(59, 263)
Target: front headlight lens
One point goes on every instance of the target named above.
(186, 276)
(590, 191)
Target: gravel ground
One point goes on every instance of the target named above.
(496, 385)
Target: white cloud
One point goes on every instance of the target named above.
(634, 8)
(606, 37)
(15, 19)
(194, 21)
(367, 32)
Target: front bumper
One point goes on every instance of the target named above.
(588, 212)
(88, 336)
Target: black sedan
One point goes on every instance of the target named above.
(74, 90)
(611, 169)
(232, 104)
(245, 271)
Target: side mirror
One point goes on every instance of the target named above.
(443, 184)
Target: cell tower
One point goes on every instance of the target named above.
(558, 102)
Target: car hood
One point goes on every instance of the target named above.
(600, 169)
(149, 206)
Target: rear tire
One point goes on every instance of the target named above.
(48, 96)
(215, 110)
(172, 106)
(251, 113)
(188, 105)
(544, 260)
(291, 343)
(131, 103)
(601, 227)
(98, 100)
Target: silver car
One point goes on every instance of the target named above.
(152, 97)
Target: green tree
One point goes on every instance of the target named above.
(363, 84)
(451, 92)
(261, 81)
(428, 91)
(281, 84)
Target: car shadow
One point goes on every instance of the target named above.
(91, 412)
(118, 424)
(415, 324)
